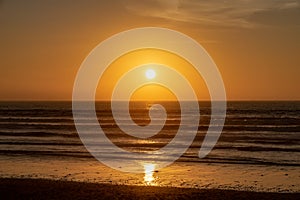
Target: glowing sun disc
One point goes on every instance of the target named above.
(150, 74)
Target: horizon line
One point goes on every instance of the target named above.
(158, 100)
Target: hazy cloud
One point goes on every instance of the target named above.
(228, 13)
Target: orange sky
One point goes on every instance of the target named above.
(136, 58)
(254, 43)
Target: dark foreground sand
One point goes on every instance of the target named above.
(49, 189)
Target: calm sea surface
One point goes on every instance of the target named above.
(257, 133)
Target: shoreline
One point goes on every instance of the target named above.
(183, 175)
(18, 188)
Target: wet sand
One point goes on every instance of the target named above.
(186, 175)
(11, 188)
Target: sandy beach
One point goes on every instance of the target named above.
(184, 175)
(51, 189)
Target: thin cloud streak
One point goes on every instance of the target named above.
(231, 13)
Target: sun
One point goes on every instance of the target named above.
(150, 74)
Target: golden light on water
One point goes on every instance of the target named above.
(149, 170)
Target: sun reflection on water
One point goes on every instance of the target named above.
(149, 169)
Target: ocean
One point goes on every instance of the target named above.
(262, 133)
(254, 132)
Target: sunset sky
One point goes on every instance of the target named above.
(255, 43)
